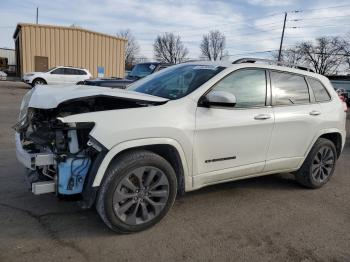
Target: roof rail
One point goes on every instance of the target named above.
(272, 62)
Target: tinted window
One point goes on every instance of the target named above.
(289, 89)
(319, 90)
(72, 71)
(58, 71)
(142, 70)
(249, 87)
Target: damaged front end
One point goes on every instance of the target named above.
(62, 157)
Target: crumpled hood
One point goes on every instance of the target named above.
(50, 96)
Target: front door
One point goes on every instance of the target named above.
(233, 142)
(56, 76)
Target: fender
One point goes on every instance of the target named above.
(143, 142)
(320, 133)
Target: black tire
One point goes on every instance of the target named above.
(311, 172)
(38, 81)
(122, 169)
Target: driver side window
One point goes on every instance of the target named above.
(248, 86)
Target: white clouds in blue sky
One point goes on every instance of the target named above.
(251, 25)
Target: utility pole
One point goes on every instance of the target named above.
(37, 15)
(282, 36)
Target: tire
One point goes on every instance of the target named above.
(127, 208)
(38, 81)
(319, 165)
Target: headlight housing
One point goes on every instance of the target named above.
(29, 74)
(24, 107)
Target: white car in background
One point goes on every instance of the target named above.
(3, 75)
(57, 75)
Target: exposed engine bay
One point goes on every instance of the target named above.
(59, 156)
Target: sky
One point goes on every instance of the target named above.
(252, 27)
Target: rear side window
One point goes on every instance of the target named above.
(319, 90)
(248, 86)
(289, 89)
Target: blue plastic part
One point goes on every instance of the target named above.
(72, 174)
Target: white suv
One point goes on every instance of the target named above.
(57, 75)
(130, 152)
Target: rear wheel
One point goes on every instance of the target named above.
(138, 190)
(319, 165)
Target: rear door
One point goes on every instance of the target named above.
(297, 120)
(73, 76)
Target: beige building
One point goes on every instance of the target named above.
(40, 47)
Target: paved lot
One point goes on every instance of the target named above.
(262, 219)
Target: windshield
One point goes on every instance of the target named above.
(142, 70)
(176, 82)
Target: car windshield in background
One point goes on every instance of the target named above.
(176, 82)
(52, 68)
(142, 70)
(339, 84)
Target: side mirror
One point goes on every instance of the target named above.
(218, 98)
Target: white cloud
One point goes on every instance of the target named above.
(247, 26)
(271, 2)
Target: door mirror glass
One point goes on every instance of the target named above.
(219, 98)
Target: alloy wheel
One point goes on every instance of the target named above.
(141, 195)
(323, 164)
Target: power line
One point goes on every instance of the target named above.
(323, 8)
(301, 27)
(318, 18)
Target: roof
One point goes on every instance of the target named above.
(18, 28)
(256, 65)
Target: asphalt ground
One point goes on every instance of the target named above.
(268, 218)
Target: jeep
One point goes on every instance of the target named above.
(130, 152)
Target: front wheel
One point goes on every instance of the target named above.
(319, 165)
(138, 190)
(38, 81)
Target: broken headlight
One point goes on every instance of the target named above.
(24, 107)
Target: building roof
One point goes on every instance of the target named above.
(18, 28)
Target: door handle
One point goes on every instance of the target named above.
(262, 117)
(315, 113)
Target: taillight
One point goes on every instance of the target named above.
(345, 106)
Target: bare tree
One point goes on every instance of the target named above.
(291, 55)
(213, 45)
(132, 48)
(325, 56)
(346, 49)
(169, 48)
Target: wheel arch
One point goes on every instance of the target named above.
(168, 148)
(334, 135)
(336, 139)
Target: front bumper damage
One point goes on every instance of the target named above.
(32, 160)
